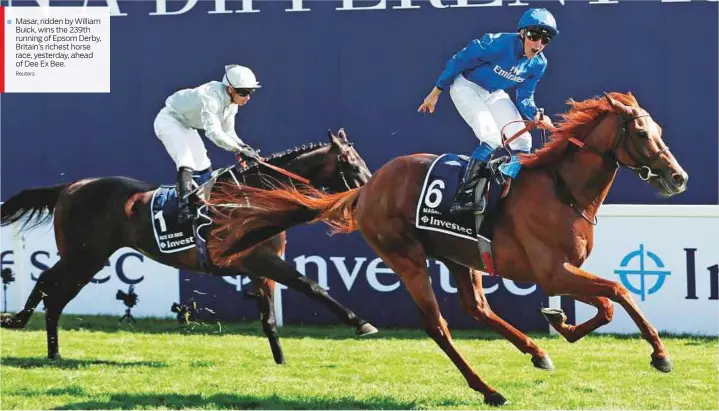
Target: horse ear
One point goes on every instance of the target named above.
(342, 135)
(334, 140)
(618, 105)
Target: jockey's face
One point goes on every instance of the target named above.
(237, 97)
(534, 42)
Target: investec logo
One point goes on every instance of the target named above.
(333, 273)
(437, 222)
(644, 273)
(251, 6)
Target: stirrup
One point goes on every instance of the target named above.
(466, 201)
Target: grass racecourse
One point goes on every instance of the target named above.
(158, 364)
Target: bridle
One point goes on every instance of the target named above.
(340, 166)
(644, 172)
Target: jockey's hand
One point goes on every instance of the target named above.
(430, 101)
(544, 121)
(248, 153)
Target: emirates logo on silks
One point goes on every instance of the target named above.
(512, 74)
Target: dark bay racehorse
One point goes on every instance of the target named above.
(95, 217)
(543, 231)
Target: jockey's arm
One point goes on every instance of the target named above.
(214, 129)
(525, 96)
(470, 56)
(228, 126)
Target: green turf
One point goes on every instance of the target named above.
(156, 364)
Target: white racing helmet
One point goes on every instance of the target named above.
(239, 77)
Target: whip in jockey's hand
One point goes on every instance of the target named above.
(210, 107)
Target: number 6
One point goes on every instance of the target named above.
(434, 191)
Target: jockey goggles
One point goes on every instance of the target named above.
(534, 35)
(244, 92)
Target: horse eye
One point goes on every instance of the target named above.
(643, 134)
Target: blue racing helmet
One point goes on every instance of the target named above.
(538, 18)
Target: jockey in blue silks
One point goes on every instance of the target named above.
(477, 77)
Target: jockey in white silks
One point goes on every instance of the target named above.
(210, 107)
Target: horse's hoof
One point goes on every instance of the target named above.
(553, 315)
(543, 363)
(9, 321)
(366, 329)
(662, 364)
(495, 399)
(54, 358)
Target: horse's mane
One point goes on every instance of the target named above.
(577, 123)
(283, 157)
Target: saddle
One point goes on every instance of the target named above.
(440, 187)
(172, 236)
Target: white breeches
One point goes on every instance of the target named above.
(184, 144)
(487, 113)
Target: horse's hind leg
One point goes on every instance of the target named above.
(266, 305)
(21, 318)
(75, 275)
(474, 302)
(572, 333)
(408, 260)
(266, 264)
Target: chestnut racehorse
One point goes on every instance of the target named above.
(543, 231)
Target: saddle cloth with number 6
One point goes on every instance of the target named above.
(440, 185)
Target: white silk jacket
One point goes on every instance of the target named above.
(207, 107)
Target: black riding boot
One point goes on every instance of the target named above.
(184, 186)
(464, 198)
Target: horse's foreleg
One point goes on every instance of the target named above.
(577, 282)
(409, 264)
(271, 266)
(266, 305)
(474, 303)
(573, 333)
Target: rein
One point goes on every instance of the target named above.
(529, 126)
(285, 172)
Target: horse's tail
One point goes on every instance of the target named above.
(246, 216)
(39, 203)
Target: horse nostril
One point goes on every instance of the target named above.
(678, 179)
